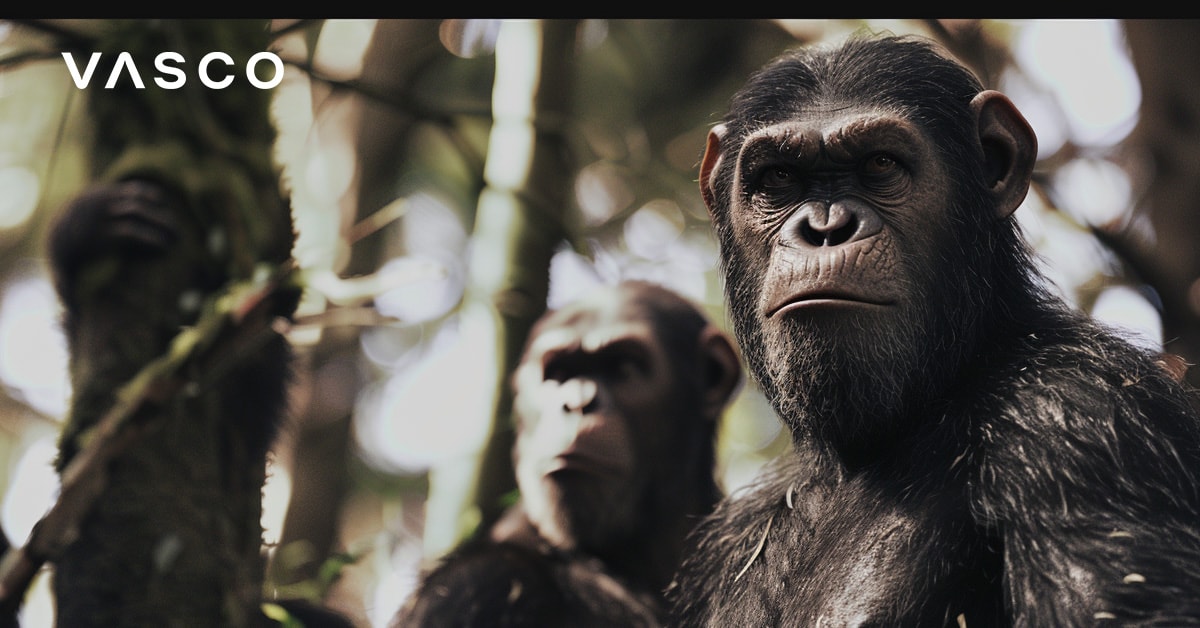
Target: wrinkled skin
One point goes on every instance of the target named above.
(968, 449)
(839, 209)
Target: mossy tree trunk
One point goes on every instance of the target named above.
(174, 535)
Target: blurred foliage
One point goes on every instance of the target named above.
(384, 136)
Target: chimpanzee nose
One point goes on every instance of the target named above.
(578, 395)
(818, 223)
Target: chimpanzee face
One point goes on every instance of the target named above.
(592, 395)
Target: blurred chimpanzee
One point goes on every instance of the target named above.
(618, 396)
(969, 450)
(129, 259)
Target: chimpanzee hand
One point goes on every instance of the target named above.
(131, 219)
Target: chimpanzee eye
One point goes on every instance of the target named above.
(615, 362)
(561, 366)
(774, 178)
(775, 186)
(884, 176)
(617, 366)
(880, 163)
(629, 368)
(620, 364)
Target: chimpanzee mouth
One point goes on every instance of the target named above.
(568, 463)
(824, 299)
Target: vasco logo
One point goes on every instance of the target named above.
(171, 76)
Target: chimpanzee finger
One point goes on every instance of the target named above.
(141, 218)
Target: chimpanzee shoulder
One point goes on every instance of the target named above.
(520, 585)
(1084, 455)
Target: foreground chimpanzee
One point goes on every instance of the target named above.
(618, 397)
(968, 450)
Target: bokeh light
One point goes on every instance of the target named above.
(1128, 310)
(437, 409)
(33, 351)
(1086, 65)
(21, 195)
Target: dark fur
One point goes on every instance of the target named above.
(1000, 459)
(124, 255)
(514, 574)
(512, 585)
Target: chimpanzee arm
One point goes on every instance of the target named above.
(178, 521)
(1089, 473)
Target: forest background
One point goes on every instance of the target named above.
(429, 238)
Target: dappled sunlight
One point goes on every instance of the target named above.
(437, 409)
(1097, 191)
(342, 45)
(1076, 84)
(277, 494)
(21, 195)
(602, 191)
(33, 351)
(429, 295)
(1086, 65)
(469, 38)
(1038, 106)
(423, 350)
(323, 171)
(571, 276)
(652, 230)
(434, 237)
(750, 435)
(399, 573)
(1068, 256)
(34, 486)
(1129, 310)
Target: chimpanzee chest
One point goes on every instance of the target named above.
(857, 558)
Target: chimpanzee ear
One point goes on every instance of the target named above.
(708, 165)
(722, 371)
(1009, 149)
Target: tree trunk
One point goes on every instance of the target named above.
(174, 536)
(518, 225)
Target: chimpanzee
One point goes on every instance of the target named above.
(968, 449)
(617, 400)
(129, 258)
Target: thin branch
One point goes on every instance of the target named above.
(404, 102)
(75, 38)
(297, 25)
(21, 58)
